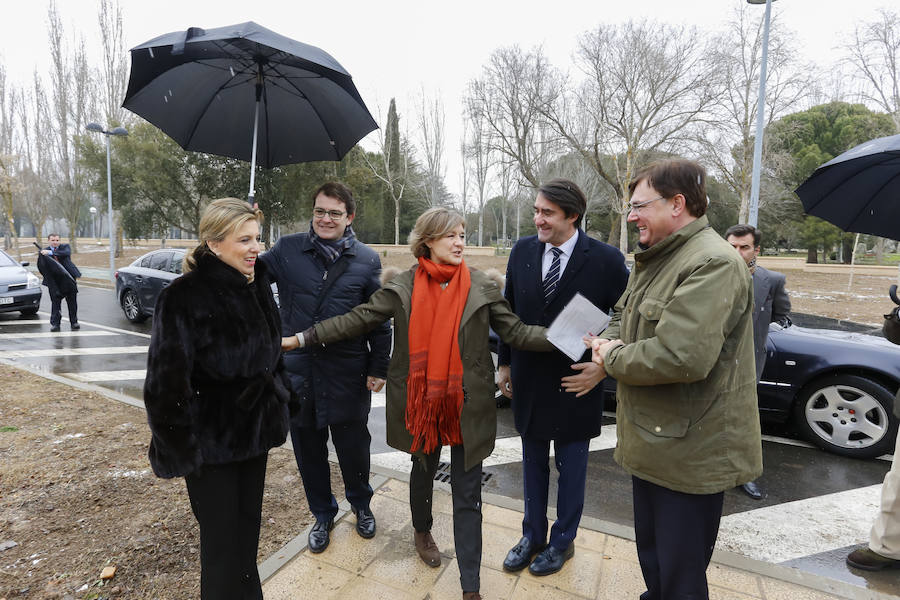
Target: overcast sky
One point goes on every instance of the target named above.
(396, 48)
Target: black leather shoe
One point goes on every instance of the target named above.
(551, 560)
(753, 490)
(520, 555)
(54, 328)
(868, 560)
(76, 326)
(365, 522)
(319, 536)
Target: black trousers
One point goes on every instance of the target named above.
(227, 502)
(351, 442)
(465, 489)
(56, 308)
(675, 534)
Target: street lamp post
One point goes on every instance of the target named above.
(760, 115)
(117, 131)
(93, 211)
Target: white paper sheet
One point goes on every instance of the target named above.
(579, 318)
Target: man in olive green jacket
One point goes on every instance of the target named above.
(681, 349)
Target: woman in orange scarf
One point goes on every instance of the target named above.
(440, 386)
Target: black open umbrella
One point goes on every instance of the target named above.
(204, 88)
(859, 190)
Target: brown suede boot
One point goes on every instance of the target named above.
(427, 549)
(471, 596)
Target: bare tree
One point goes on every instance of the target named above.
(113, 74)
(8, 182)
(431, 143)
(392, 164)
(647, 86)
(508, 96)
(875, 55)
(34, 150)
(479, 154)
(727, 144)
(70, 98)
(506, 189)
(464, 172)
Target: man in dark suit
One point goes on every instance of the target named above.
(62, 253)
(771, 304)
(553, 399)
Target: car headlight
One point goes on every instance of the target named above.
(33, 281)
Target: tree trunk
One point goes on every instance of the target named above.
(623, 233)
(812, 255)
(614, 232)
(879, 251)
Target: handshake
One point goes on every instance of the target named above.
(600, 348)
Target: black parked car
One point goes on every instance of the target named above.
(19, 289)
(138, 285)
(835, 387)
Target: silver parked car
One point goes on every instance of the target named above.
(19, 289)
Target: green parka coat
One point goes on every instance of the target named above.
(687, 416)
(485, 308)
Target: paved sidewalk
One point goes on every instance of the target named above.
(604, 567)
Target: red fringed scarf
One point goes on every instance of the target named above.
(434, 394)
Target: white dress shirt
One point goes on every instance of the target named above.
(567, 248)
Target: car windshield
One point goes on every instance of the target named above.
(6, 261)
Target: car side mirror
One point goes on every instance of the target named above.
(26, 263)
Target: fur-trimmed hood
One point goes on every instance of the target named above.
(389, 273)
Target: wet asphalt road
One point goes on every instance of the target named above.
(818, 506)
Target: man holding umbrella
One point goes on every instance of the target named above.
(60, 282)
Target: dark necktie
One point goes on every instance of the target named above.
(552, 278)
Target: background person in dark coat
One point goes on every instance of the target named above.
(214, 394)
(771, 304)
(320, 274)
(552, 398)
(61, 253)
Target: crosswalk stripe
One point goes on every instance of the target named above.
(506, 451)
(95, 376)
(801, 528)
(24, 322)
(53, 334)
(73, 351)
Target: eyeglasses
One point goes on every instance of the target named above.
(336, 215)
(637, 206)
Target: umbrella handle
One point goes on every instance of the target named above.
(892, 292)
(253, 154)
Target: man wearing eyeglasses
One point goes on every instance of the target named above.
(320, 274)
(680, 346)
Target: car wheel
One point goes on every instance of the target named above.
(847, 415)
(28, 312)
(131, 306)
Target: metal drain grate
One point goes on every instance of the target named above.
(443, 474)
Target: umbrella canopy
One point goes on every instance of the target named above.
(859, 190)
(210, 90)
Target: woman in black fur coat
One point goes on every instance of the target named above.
(215, 399)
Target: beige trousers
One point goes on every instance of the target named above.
(885, 536)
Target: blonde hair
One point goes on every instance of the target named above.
(220, 218)
(432, 224)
